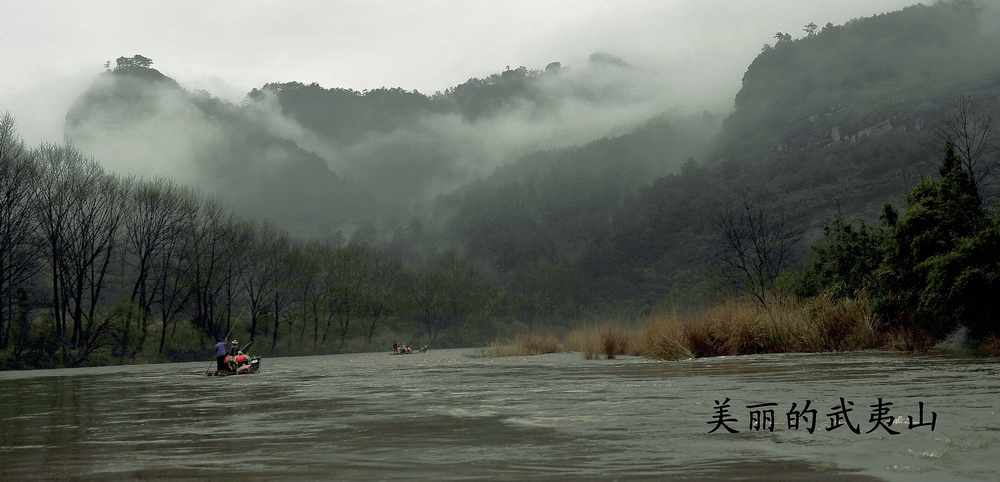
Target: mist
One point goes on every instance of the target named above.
(439, 152)
(664, 61)
(701, 47)
(268, 164)
(162, 141)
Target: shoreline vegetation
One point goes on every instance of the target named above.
(194, 269)
(737, 327)
(600, 247)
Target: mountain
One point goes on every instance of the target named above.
(855, 112)
(138, 121)
(317, 160)
(842, 82)
(585, 175)
(845, 118)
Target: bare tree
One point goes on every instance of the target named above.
(425, 300)
(264, 281)
(80, 213)
(92, 244)
(972, 130)
(383, 275)
(213, 257)
(285, 263)
(54, 203)
(347, 274)
(254, 281)
(173, 280)
(534, 291)
(308, 271)
(469, 295)
(156, 216)
(757, 245)
(18, 249)
(158, 213)
(444, 295)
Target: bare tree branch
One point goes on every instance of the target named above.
(757, 245)
(972, 131)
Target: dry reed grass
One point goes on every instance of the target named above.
(663, 338)
(586, 340)
(736, 327)
(608, 340)
(742, 327)
(902, 339)
(526, 344)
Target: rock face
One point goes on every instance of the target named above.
(958, 340)
(845, 119)
(891, 73)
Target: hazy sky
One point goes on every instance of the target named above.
(51, 49)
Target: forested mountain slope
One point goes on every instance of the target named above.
(321, 160)
(583, 175)
(846, 117)
(135, 120)
(848, 105)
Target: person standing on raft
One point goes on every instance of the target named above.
(220, 355)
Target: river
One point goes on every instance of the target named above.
(455, 415)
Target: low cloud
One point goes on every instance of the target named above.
(440, 152)
(259, 158)
(162, 140)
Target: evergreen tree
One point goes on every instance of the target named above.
(963, 286)
(941, 216)
(846, 260)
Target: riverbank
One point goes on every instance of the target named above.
(738, 327)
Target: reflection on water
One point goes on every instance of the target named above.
(449, 415)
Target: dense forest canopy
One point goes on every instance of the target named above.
(528, 199)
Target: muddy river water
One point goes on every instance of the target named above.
(455, 415)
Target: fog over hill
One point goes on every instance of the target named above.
(699, 47)
(349, 152)
(549, 194)
(321, 159)
(472, 129)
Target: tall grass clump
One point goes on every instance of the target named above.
(733, 327)
(615, 340)
(608, 340)
(737, 326)
(586, 340)
(908, 339)
(843, 324)
(526, 344)
(664, 337)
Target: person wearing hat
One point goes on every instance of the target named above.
(234, 349)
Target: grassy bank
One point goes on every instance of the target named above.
(526, 344)
(732, 327)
